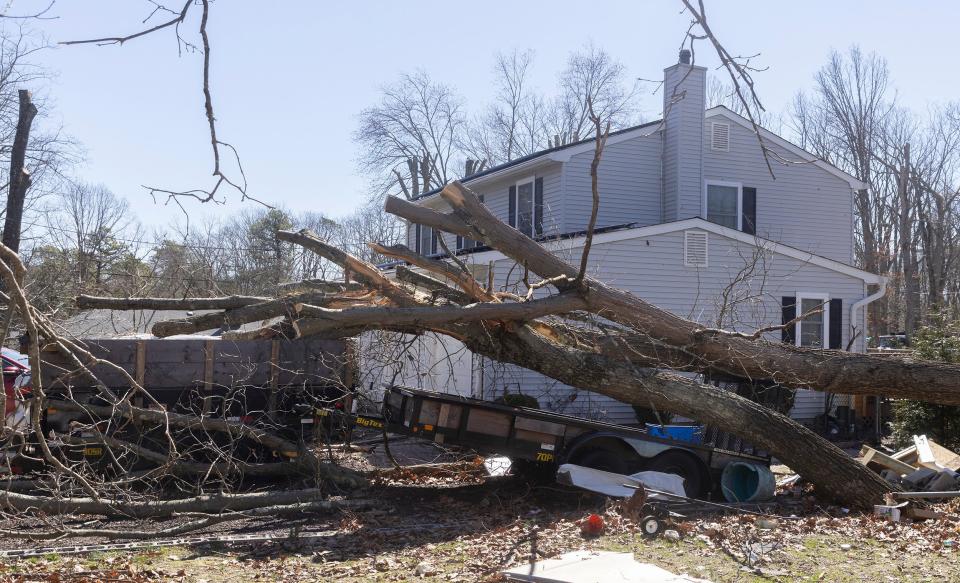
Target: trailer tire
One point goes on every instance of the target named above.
(604, 459)
(684, 465)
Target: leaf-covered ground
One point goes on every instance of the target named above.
(438, 531)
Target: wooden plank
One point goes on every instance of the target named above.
(489, 422)
(430, 413)
(907, 456)
(141, 362)
(872, 456)
(449, 416)
(208, 365)
(539, 426)
(535, 437)
(932, 455)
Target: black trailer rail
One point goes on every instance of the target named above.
(545, 437)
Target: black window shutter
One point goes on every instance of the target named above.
(513, 206)
(789, 313)
(459, 242)
(836, 324)
(749, 219)
(538, 206)
(433, 241)
(416, 242)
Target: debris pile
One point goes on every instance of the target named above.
(925, 466)
(925, 471)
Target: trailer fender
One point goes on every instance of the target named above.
(601, 449)
(604, 451)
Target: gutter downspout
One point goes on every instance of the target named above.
(863, 303)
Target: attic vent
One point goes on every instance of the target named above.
(695, 248)
(720, 136)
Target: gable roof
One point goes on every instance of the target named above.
(726, 113)
(624, 234)
(564, 152)
(555, 154)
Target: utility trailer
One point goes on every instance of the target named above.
(543, 439)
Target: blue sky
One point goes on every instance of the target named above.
(289, 78)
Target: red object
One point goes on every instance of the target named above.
(592, 525)
(14, 365)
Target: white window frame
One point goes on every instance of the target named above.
(533, 205)
(706, 193)
(713, 125)
(825, 325)
(429, 250)
(463, 240)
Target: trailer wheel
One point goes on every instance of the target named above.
(681, 464)
(651, 526)
(605, 460)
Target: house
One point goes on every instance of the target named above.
(691, 220)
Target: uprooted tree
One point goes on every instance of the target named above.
(587, 334)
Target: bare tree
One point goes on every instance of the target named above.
(594, 77)
(89, 223)
(409, 140)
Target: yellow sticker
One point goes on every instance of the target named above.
(93, 451)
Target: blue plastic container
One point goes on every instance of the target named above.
(688, 433)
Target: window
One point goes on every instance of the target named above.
(812, 330)
(465, 243)
(720, 136)
(723, 204)
(525, 207)
(426, 243)
(695, 248)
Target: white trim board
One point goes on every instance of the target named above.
(698, 223)
(794, 149)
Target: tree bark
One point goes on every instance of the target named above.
(264, 310)
(85, 302)
(208, 503)
(19, 176)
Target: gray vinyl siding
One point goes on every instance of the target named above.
(689, 292)
(804, 207)
(683, 141)
(495, 195)
(628, 182)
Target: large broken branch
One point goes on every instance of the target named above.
(208, 503)
(824, 370)
(85, 302)
(464, 280)
(257, 312)
(320, 320)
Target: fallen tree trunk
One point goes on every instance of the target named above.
(234, 317)
(296, 509)
(319, 320)
(85, 302)
(824, 370)
(207, 503)
(580, 365)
